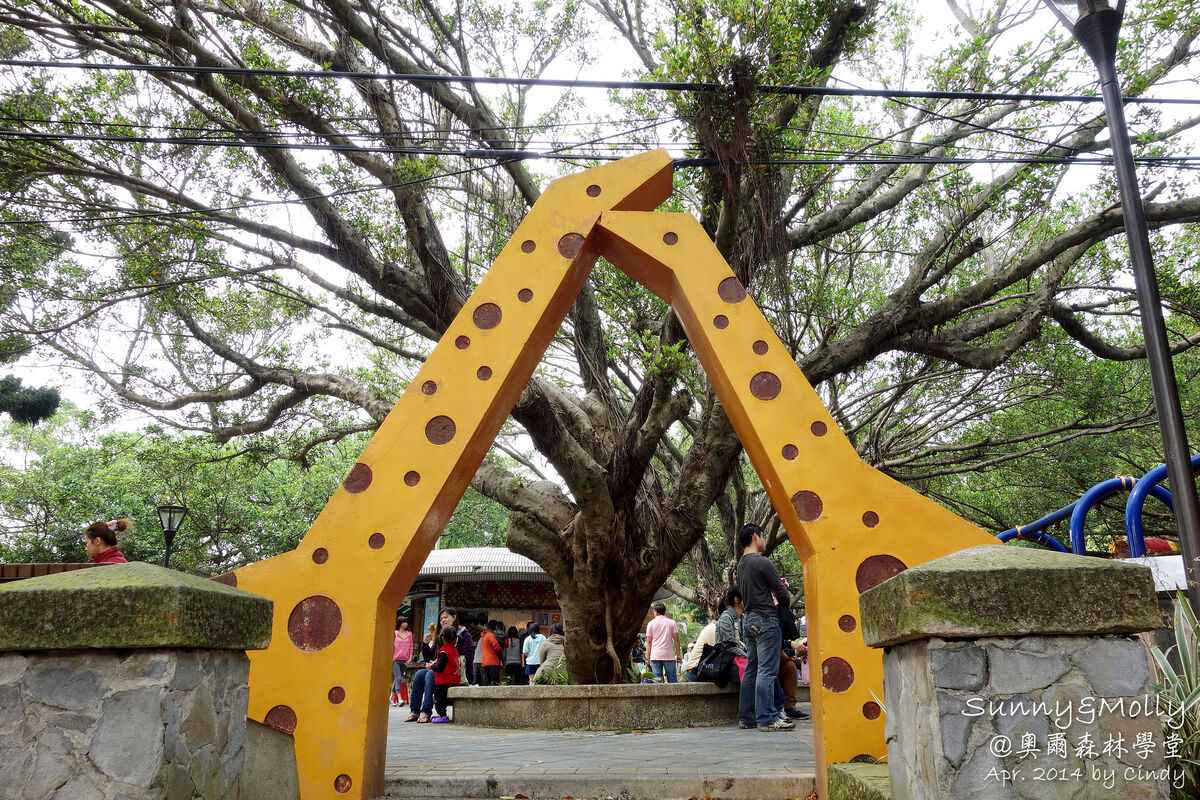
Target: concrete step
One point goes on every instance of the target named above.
(775, 785)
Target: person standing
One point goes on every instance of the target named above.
(530, 650)
(512, 658)
(402, 650)
(662, 644)
(100, 541)
(761, 590)
(493, 653)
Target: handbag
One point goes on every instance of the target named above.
(787, 622)
(716, 665)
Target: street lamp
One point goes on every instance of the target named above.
(170, 517)
(1095, 26)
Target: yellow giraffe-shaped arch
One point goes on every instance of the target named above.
(325, 675)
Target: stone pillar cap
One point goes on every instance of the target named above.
(130, 605)
(998, 590)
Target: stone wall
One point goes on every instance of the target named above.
(1021, 717)
(139, 724)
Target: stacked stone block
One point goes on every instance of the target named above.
(100, 721)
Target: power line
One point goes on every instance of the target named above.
(672, 86)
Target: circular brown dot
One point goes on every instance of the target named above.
(791, 452)
(720, 322)
(439, 430)
(836, 674)
(342, 783)
(871, 710)
(731, 290)
(462, 342)
(359, 479)
(376, 541)
(314, 623)
(528, 246)
(847, 623)
(429, 387)
(227, 578)
(671, 238)
(412, 478)
(760, 348)
(870, 519)
(483, 373)
(808, 506)
(281, 718)
(487, 316)
(765, 386)
(877, 569)
(570, 245)
(819, 428)
(320, 555)
(593, 191)
(525, 295)
(336, 695)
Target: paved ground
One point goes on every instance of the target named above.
(450, 761)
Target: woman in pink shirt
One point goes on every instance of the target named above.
(402, 651)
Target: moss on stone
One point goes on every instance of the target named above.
(992, 590)
(129, 606)
(859, 782)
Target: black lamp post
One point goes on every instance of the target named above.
(1095, 25)
(170, 517)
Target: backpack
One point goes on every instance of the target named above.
(717, 665)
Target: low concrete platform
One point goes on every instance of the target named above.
(456, 761)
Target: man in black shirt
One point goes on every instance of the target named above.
(761, 590)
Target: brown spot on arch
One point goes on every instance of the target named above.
(227, 578)
(282, 719)
(808, 505)
(412, 478)
(670, 238)
(528, 246)
(342, 783)
(314, 623)
(819, 428)
(336, 695)
(791, 452)
(484, 373)
(766, 386)
(877, 569)
(462, 342)
(847, 623)
(836, 674)
(440, 429)
(593, 191)
(429, 387)
(487, 316)
(871, 710)
(359, 479)
(320, 555)
(525, 295)
(720, 322)
(376, 541)
(760, 348)
(731, 290)
(570, 245)
(870, 519)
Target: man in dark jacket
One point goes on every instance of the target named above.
(761, 591)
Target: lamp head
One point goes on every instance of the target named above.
(1095, 24)
(171, 517)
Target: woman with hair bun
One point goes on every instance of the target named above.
(100, 541)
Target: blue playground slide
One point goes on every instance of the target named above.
(1147, 485)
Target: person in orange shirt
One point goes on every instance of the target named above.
(493, 652)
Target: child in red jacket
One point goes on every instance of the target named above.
(446, 672)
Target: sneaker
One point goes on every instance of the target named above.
(778, 725)
(411, 718)
(440, 719)
(783, 717)
(795, 713)
(745, 725)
